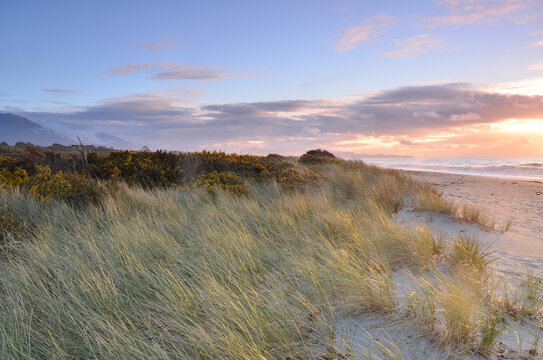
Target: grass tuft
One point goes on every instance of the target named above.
(469, 253)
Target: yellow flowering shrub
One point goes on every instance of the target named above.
(16, 179)
(48, 175)
(46, 186)
(144, 168)
(7, 224)
(251, 167)
(318, 156)
(221, 181)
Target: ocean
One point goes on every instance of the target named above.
(518, 168)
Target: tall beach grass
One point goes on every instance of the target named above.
(189, 274)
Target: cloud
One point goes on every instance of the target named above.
(61, 91)
(161, 45)
(465, 117)
(113, 141)
(429, 113)
(465, 12)
(539, 43)
(416, 44)
(57, 102)
(536, 67)
(130, 68)
(366, 31)
(189, 72)
(177, 71)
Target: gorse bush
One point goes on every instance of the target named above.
(16, 179)
(254, 168)
(32, 158)
(318, 156)
(223, 181)
(320, 153)
(74, 188)
(47, 187)
(66, 175)
(145, 168)
(7, 224)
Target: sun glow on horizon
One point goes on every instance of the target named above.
(519, 125)
(504, 138)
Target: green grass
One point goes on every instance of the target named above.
(189, 274)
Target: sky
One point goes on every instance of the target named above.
(428, 78)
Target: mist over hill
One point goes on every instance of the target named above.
(15, 128)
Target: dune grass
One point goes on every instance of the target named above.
(189, 274)
(428, 199)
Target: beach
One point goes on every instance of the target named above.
(519, 202)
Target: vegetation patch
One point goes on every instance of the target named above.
(318, 156)
(146, 271)
(223, 181)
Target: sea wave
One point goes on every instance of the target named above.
(506, 168)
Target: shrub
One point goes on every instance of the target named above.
(253, 168)
(321, 153)
(30, 158)
(7, 225)
(275, 157)
(52, 175)
(223, 181)
(16, 179)
(318, 156)
(74, 188)
(47, 187)
(145, 168)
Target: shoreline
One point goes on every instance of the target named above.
(479, 176)
(517, 201)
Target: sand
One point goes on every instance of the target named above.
(521, 202)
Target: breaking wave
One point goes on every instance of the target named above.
(504, 168)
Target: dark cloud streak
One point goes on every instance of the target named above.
(176, 71)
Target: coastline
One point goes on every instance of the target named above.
(518, 201)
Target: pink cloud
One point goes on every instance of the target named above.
(366, 31)
(416, 44)
(177, 71)
(464, 12)
(465, 117)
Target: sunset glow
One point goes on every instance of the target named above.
(526, 126)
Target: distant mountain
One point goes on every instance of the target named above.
(352, 155)
(15, 128)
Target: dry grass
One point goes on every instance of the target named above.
(427, 198)
(454, 312)
(469, 253)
